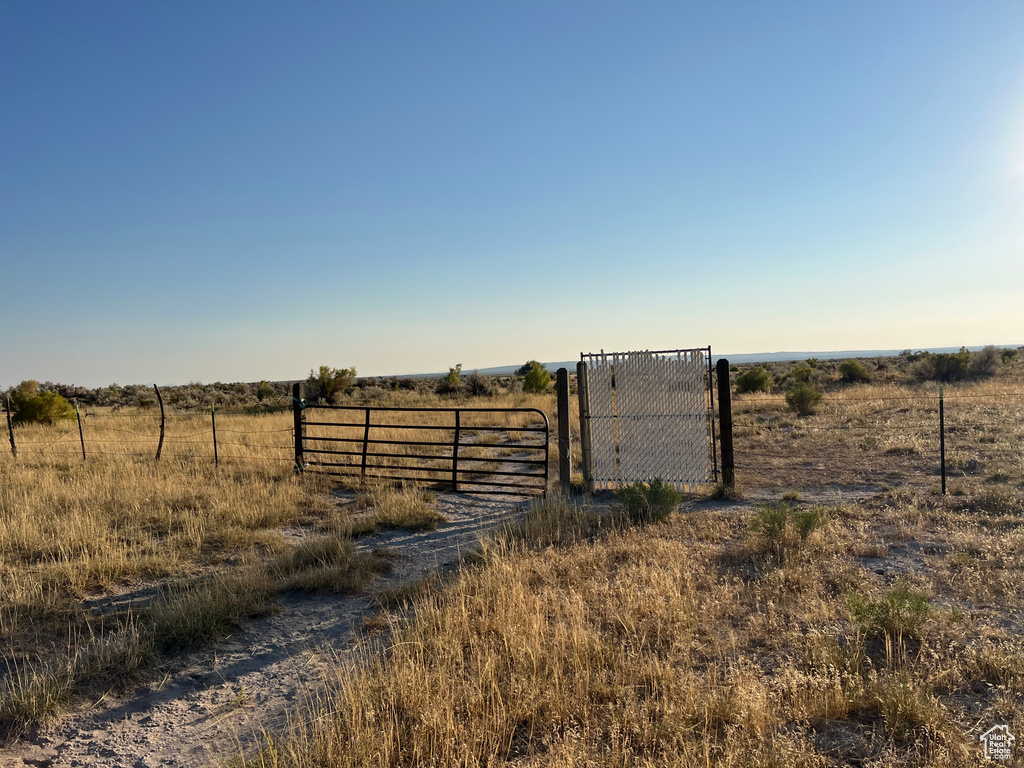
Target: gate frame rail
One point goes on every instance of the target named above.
(362, 448)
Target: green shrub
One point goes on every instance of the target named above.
(644, 503)
(31, 406)
(265, 390)
(754, 380)
(769, 524)
(452, 383)
(537, 379)
(807, 521)
(328, 383)
(801, 372)
(943, 366)
(985, 362)
(853, 372)
(775, 525)
(900, 613)
(803, 398)
(479, 385)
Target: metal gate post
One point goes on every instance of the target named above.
(562, 394)
(297, 405)
(455, 455)
(583, 392)
(725, 420)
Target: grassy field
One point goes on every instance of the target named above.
(843, 613)
(847, 614)
(113, 564)
(888, 636)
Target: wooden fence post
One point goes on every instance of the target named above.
(297, 406)
(562, 398)
(10, 428)
(583, 392)
(725, 422)
(942, 440)
(81, 436)
(160, 445)
(213, 419)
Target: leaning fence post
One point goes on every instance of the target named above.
(160, 445)
(942, 440)
(562, 396)
(725, 422)
(10, 428)
(213, 419)
(583, 392)
(81, 436)
(297, 406)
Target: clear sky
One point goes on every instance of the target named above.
(203, 191)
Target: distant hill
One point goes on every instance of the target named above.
(749, 357)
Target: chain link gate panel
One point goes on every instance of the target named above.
(649, 415)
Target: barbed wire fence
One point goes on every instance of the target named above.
(976, 440)
(188, 435)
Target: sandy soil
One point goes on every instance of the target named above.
(212, 703)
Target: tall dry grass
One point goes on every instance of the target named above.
(681, 644)
(119, 558)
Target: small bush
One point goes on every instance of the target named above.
(452, 383)
(644, 503)
(801, 373)
(769, 524)
(803, 398)
(808, 521)
(944, 366)
(900, 614)
(853, 372)
(479, 385)
(31, 406)
(754, 380)
(328, 383)
(985, 362)
(537, 379)
(265, 391)
(775, 525)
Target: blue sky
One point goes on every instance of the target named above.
(244, 190)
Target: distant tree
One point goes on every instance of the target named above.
(265, 390)
(452, 383)
(32, 406)
(327, 383)
(536, 379)
(524, 369)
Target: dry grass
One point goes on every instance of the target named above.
(688, 644)
(887, 434)
(880, 633)
(110, 563)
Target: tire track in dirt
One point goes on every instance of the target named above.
(216, 701)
